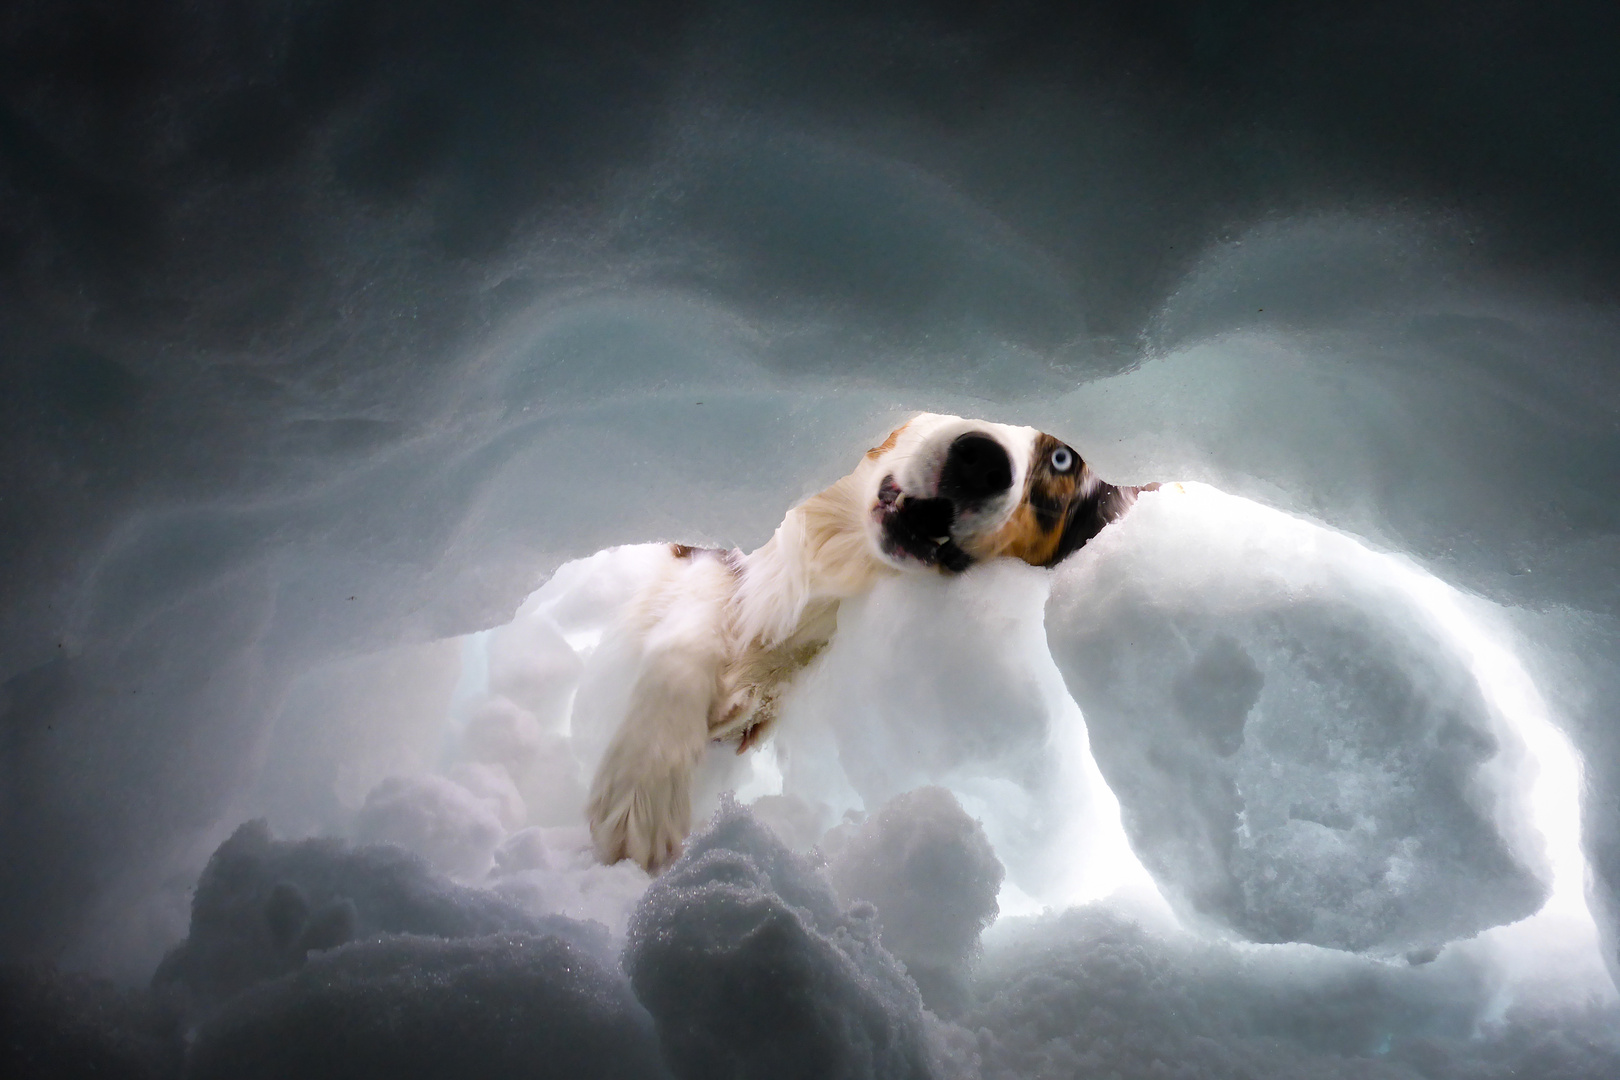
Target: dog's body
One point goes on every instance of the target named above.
(721, 634)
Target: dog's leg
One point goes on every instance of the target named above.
(640, 805)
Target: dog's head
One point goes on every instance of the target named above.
(952, 492)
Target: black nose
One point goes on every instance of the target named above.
(976, 467)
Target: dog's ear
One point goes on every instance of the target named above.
(1070, 504)
(1088, 514)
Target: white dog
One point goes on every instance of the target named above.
(721, 633)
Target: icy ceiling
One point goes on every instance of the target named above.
(330, 330)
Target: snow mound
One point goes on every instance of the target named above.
(1301, 751)
(751, 967)
(931, 873)
(505, 1006)
(263, 906)
(1091, 993)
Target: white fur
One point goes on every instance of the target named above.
(640, 801)
(720, 634)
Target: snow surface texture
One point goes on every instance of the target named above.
(263, 905)
(510, 1005)
(931, 873)
(332, 329)
(752, 967)
(1090, 994)
(1302, 753)
(742, 961)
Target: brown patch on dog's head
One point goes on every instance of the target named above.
(1063, 506)
(681, 551)
(887, 444)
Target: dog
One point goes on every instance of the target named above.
(721, 634)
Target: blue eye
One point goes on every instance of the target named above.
(1062, 459)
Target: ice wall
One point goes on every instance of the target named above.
(330, 330)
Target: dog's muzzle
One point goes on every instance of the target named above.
(976, 471)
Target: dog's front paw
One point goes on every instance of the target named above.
(640, 808)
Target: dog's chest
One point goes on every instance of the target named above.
(754, 681)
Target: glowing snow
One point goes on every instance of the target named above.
(951, 683)
(1554, 951)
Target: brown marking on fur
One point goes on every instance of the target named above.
(1024, 537)
(731, 558)
(752, 684)
(1035, 529)
(887, 444)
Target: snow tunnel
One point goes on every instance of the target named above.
(361, 360)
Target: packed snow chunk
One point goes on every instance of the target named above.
(799, 822)
(1300, 746)
(492, 784)
(929, 676)
(449, 826)
(931, 873)
(501, 732)
(1090, 993)
(949, 682)
(263, 906)
(556, 870)
(545, 774)
(751, 967)
(532, 664)
(503, 1006)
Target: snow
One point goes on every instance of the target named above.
(500, 1006)
(263, 906)
(351, 353)
(742, 959)
(1301, 753)
(931, 873)
(442, 821)
(751, 966)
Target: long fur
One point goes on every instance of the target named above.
(720, 635)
